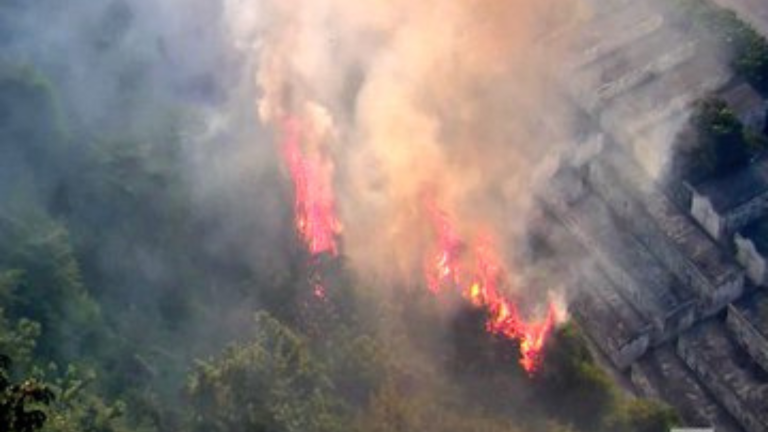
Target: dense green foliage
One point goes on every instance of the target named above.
(294, 393)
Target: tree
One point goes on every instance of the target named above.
(716, 142)
(22, 405)
(721, 135)
(77, 407)
(271, 384)
(43, 283)
(30, 118)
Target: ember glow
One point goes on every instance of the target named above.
(481, 289)
(314, 207)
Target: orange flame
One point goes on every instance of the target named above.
(318, 226)
(443, 266)
(314, 205)
(503, 316)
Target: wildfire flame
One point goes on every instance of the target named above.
(503, 315)
(318, 226)
(314, 203)
(443, 266)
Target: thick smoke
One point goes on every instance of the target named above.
(459, 101)
(467, 104)
(448, 101)
(637, 71)
(463, 102)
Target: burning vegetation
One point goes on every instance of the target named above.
(321, 223)
(445, 270)
(314, 203)
(367, 102)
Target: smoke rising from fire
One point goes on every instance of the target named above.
(440, 98)
(394, 109)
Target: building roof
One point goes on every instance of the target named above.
(728, 192)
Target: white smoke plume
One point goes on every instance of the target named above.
(454, 100)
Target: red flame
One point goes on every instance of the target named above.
(314, 205)
(318, 226)
(443, 266)
(503, 315)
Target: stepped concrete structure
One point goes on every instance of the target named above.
(737, 382)
(670, 233)
(665, 291)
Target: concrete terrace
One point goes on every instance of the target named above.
(663, 375)
(640, 278)
(728, 372)
(748, 323)
(612, 323)
(672, 235)
(657, 294)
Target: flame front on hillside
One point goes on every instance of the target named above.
(479, 285)
(314, 203)
(375, 100)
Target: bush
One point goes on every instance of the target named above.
(572, 385)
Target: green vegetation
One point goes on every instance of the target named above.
(294, 393)
(581, 394)
(299, 390)
(115, 281)
(748, 49)
(22, 404)
(716, 143)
